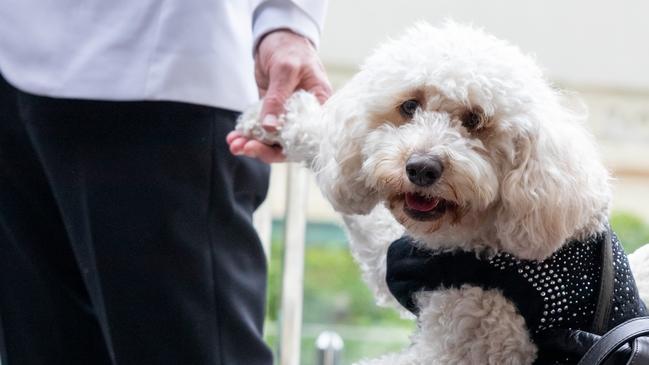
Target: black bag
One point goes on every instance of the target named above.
(626, 344)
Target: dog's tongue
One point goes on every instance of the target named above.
(420, 203)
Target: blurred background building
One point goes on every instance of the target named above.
(598, 49)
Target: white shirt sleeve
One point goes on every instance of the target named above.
(304, 17)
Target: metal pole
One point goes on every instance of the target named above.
(329, 346)
(293, 275)
(262, 220)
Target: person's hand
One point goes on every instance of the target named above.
(284, 62)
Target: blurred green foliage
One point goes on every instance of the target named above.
(333, 289)
(335, 297)
(632, 231)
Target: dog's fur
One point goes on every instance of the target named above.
(525, 180)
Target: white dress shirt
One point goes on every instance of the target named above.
(195, 51)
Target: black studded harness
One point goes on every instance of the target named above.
(559, 292)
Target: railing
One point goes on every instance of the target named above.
(293, 266)
(329, 344)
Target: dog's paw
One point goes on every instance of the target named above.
(297, 132)
(249, 125)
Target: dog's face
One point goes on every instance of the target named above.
(434, 159)
(463, 139)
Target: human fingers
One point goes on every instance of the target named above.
(232, 135)
(265, 153)
(283, 80)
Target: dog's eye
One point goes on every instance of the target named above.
(471, 120)
(408, 108)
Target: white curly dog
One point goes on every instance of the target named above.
(507, 167)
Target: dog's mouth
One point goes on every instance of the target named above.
(425, 208)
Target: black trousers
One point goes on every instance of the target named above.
(126, 235)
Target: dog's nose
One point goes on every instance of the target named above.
(423, 170)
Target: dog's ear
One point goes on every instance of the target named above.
(338, 164)
(557, 188)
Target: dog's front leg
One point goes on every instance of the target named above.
(370, 237)
(471, 326)
(298, 134)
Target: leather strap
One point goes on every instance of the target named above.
(639, 352)
(614, 339)
(603, 309)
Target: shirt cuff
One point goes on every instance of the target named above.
(272, 15)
